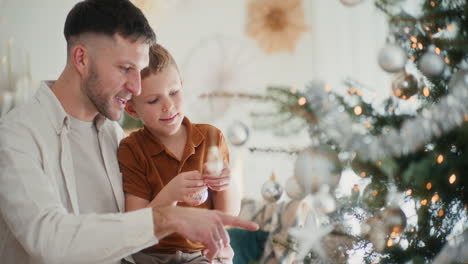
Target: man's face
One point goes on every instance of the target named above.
(160, 104)
(113, 75)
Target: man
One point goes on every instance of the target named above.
(60, 186)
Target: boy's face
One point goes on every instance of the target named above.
(160, 104)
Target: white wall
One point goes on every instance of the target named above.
(342, 42)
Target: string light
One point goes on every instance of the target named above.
(420, 46)
(358, 110)
(375, 193)
(447, 60)
(450, 27)
(437, 51)
(414, 45)
(302, 101)
(414, 39)
(293, 90)
(452, 178)
(379, 163)
(359, 93)
(441, 213)
(433, 3)
(409, 192)
(423, 202)
(328, 88)
(466, 118)
(412, 58)
(426, 92)
(390, 243)
(363, 174)
(367, 124)
(356, 188)
(351, 90)
(435, 198)
(412, 229)
(440, 158)
(429, 186)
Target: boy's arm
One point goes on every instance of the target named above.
(227, 200)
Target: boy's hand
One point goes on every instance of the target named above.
(183, 185)
(217, 182)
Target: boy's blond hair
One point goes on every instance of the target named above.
(159, 59)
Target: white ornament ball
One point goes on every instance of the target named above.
(351, 2)
(314, 168)
(197, 198)
(238, 133)
(459, 79)
(214, 162)
(431, 64)
(272, 191)
(392, 58)
(293, 190)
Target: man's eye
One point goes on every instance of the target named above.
(125, 69)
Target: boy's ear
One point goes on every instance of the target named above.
(131, 110)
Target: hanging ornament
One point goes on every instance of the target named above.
(197, 198)
(431, 64)
(404, 86)
(214, 162)
(323, 201)
(272, 190)
(392, 58)
(238, 133)
(351, 2)
(316, 167)
(394, 219)
(459, 79)
(293, 190)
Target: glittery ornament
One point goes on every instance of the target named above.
(392, 58)
(431, 64)
(272, 190)
(351, 2)
(293, 190)
(197, 198)
(238, 133)
(404, 86)
(214, 162)
(316, 167)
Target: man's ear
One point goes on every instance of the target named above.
(80, 59)
(131, 110)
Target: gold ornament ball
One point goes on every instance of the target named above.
(404, 86)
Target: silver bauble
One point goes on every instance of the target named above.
(214, 161)
(351, 2)
(394, 219)
(238, 133)
(459, 79)
(431, 64)
(392, 58)
(272, 190)
(404, 86)
(293, 190)
(316, 167)
(197, 198)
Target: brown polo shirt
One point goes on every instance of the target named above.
(147, 166)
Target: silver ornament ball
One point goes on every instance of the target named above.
(197, 198)
(431, 64)
(238, 134)
(293, 190)
(272, 191)
(404, 86)
(392, 58)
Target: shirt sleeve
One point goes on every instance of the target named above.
(223, 147)
(132, 167)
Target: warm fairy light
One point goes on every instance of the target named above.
(426, 150)
(351, 90)
(390, 243)
(424, 202)
(426, 92)
(367, 124)
(394, 235)
(466, 118)
(363, 174)
(391, 109)
(356, 188)
(447, 60)
(452, 178)
(412, 58)
(453, 147)
(398, 92)
(414, 45)
(293, 90)
(409, 192)
(441, 213)
(426, 28)
(359, 93)
(450, 27)
(412, 229)
(358, 110)
(302, 101)
(440, 159)
(412, 98)
(414, 39)
(429, 186)
(387, 129)
(375, 193)
(435, 198)
(406, 29)
(420, 46)
(379, 163)
(328, 88)
(437, 51)
(433, 3)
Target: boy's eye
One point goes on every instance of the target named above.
(153, 101)
(174, 92)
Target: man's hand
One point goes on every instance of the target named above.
(226, 255)
(204, 226)
(217, 182)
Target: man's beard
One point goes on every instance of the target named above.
(92, 88)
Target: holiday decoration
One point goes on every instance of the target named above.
(238, 133)
(404, 86)
(351, 2)
(197, 198)
(459, 80)
(394, 219)
(277, 25)
(431, 64)
(272, 190)
(293, 190)
(392, 58)
(214, 161)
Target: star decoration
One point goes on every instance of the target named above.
(276, 24)
(309, 238)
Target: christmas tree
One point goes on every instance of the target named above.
(412, 151)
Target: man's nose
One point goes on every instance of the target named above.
(134, 83)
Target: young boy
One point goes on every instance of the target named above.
(164, 162)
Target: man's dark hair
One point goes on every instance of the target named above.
(108, 17)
